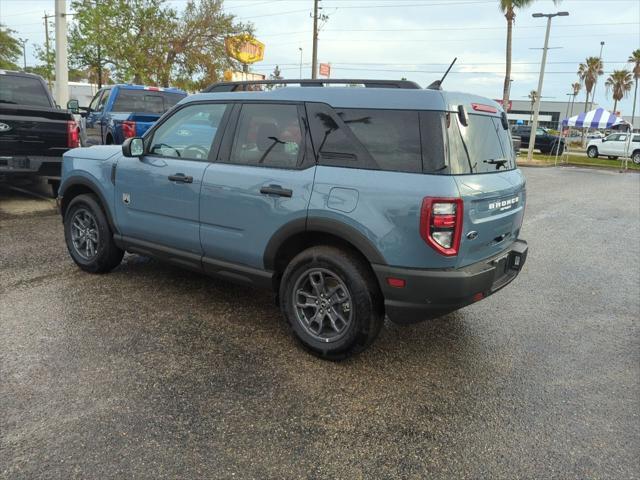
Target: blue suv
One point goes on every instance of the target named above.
(352, 204)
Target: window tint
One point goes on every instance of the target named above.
(432, 131)
(636, 138)
(188, 133)
(268, 135)
(392, 137)
(145, 101)
(15, 89)
(482, 146)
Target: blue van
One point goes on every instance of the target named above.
(352, 204)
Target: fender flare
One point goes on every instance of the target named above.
(336, 228)
(85, 182)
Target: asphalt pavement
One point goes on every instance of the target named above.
(155, 372)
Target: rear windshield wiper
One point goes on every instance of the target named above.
(499, 162)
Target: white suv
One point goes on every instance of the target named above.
(616, 145)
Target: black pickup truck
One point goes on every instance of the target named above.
(545, 141)
(34, 131)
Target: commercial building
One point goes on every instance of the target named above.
(551, 113)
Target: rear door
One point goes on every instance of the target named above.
(261, 182)
(158, 196)
(94, 122)
(492, 189)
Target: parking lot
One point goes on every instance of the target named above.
(156, 372)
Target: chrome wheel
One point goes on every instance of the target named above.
(84, 234)
(323, 304)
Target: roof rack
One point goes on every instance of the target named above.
(242, 86)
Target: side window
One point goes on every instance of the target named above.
(94, 102)
(103, 100)
(636, 138)
(622, 137)
(612, 137)
(392, 137)
(188, 133)
(268, 135)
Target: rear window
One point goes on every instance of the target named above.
(19, 90)
(145, 101)
(481, 147)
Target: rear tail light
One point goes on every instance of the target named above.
(128, 129)
(441, 224)
(73, 134)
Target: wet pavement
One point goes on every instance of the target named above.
(155, 372)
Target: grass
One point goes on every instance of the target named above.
(579, 160)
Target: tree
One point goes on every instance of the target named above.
(619, 83)
(10, 49)
(634, 58)
(533, 95)
(508, 8)
(575, 89)
(589, 71)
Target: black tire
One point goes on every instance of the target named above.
(557, 149)
(592, 152)
(363, 309)
(86, 211)
(612, 157)
(636, 157)
(55, 185)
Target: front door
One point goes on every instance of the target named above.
(94, 123)
(158, 195)
(261, 182)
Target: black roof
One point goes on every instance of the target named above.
(242, 85)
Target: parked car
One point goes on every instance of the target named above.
(616, 145)
(34, 131)
(595, 135)
(123, 111)
(350, 203)
(545, 141)
(517, 144)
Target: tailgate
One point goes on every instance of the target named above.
(144, 121)
(493, 211)
(33, 131)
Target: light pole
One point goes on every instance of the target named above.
(595, 83)
(534, 127)
(300, 48)
(24, 41)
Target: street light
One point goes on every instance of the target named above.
(534, 127)
(300, 48)
(24, 41)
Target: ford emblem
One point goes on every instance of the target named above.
(4, 127)
(472, 235)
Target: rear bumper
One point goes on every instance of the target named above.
(30, 165)
(429, 293)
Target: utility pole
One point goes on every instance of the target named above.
(534, 127)
(314, 59)
(595, 83)
(62, 67)
(46, 42)
(300, 48)
(24, 41)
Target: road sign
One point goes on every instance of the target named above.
(244, 48)
(325, 69)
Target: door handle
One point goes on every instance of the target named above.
(276, 190)
(181, 178)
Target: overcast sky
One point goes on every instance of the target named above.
(418, 38)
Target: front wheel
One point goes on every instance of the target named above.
(592, 152)
(88, 236)
(636, 157)
(331, 302)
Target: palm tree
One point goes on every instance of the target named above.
(635, 59)
(589, 71)
(533, 95)
(575, 87)
(619, 82)
(508, 8)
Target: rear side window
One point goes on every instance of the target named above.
(145, 101)
(392, 137)
(481, 147)
(19, 90)
(268, 135)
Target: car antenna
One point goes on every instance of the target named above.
(437, 85)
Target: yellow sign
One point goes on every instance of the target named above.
(231, 76)
(244, 48)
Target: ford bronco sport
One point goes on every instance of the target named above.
(351, 203)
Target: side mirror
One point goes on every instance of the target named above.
(133, 147)
(73, 106)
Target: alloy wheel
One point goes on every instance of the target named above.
(84, 234)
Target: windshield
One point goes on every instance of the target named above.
(481, 147)
(145, 101)
(19, 90)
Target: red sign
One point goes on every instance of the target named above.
(325, 69)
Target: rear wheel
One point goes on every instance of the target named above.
(331, 302)
(592, 152)
(88, 236)
(636, 157)
(557, 148)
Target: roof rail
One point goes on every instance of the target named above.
(243, 85)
